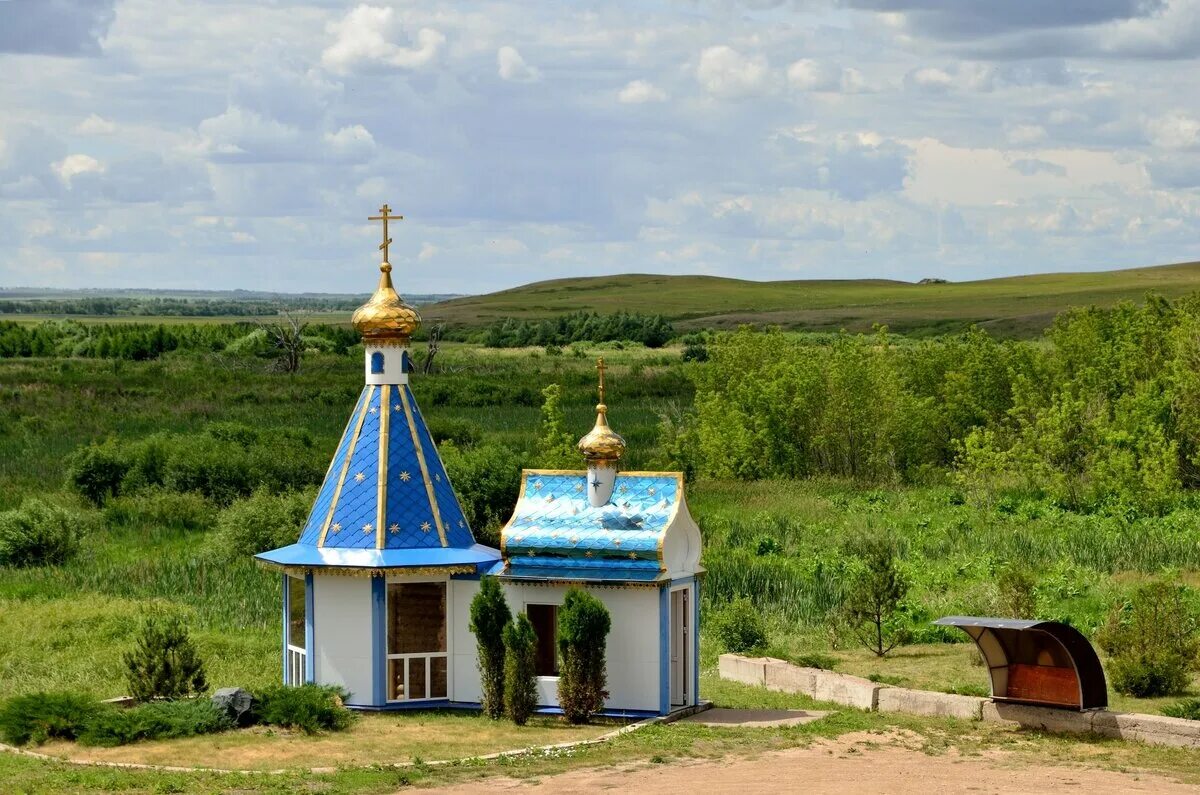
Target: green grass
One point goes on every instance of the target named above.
(1019, 306)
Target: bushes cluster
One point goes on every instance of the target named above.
(487, 480)
(39, 533)
(309, 708)
(224, 462)
(739, 627)
(260, 522)
(159, 720)
(39, 717)
(653, 331)
(1153, 640)
(1188, 708)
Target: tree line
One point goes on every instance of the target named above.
(172, 307)
(653, 331)
(1104, 412)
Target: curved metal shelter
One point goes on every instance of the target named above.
(1037, 662)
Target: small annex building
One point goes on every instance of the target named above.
(377, 589)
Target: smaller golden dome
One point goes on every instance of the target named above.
(602, 445)
(386, 316)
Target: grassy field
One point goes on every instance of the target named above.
(1019, 306)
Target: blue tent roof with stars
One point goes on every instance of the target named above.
(556, 533)
(386, 502)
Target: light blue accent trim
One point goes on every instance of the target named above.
(310, 666)
(695, 642)
(664, 650)
(286, 613)
(378, 641)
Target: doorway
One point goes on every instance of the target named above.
(680, 644)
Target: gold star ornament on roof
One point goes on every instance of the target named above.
(395, 528)
(405, 476)
(359, 478)
(425, 526)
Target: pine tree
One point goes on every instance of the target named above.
(583, 625)
(520, 678)
(489, 615)
(164, 663)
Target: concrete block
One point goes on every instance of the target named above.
(788, 678)
(1149, 729)
(922, 702)
(844, 689)
(1057, 721)
(747, 670)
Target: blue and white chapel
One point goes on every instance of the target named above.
(378, 585)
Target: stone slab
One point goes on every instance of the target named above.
(788, 678)
(1150, 729)
(924, 702)
(747, 670)
(1057, 721)
(755, 718)
(852, 691)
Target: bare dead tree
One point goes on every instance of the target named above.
(435, 341)
(286, 338)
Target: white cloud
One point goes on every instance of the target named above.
(73, 165)
(362, 37)
(637, 92)
(354, 142)
(1025, 134)
(930, 79)
(1175, 130)
(428, 251)
(95, 125)
(511, 66)
(725, 72)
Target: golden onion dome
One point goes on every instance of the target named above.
(386, 316)
(602, 445)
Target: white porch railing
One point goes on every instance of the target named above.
(421, 687)
(295, 665)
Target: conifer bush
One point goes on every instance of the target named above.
(583, 626)
(38, 717)
(160, 720)
(489, 616)
(165, 662)
(39, 534)
(873, 596)
(520, 677)
(309, 708)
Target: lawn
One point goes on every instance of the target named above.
(374, 738)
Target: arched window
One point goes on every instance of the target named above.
(376, 363)
(405, 362)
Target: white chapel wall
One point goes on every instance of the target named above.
(343, 634)
(633, 643)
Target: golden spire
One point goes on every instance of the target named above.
(602, 446)
(385, 316)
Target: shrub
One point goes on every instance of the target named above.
(96, 471)
(309, 708)
(39, 717)
(487, 480)
(815, 660)
(767, 545)
(261, 522)
(1153, 640)
(1189, 709)
(583, 625)
(160, 720)
(739, 627)
(39, 534)
(489, 617)
(874, 594)
(520, 660)
(164, 663)
(1018, 592)
(461, 432)
(555, 446)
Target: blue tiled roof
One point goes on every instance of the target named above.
(386, 491)
(555, 525)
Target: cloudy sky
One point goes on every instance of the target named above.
(229, 143)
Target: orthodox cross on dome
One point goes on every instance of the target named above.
(385, 216)
(600, 366)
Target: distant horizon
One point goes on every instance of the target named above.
(448, 295)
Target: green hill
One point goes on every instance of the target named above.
(1020, 306)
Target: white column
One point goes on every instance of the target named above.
(601, 480)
